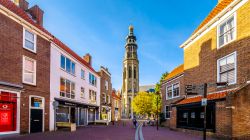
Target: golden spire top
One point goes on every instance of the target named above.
(131, 29)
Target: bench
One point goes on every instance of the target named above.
(72, 126)
(102, 122)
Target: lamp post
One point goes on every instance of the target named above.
(157, 114)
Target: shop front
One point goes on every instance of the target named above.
(74, 112)
(9, 112)
(106, 113)
(191, 116)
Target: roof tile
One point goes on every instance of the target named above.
(177, 71)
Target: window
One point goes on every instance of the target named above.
(108, 98)
(92, 79)
(169, 92)
(227, 69)
(82, 95)
(129, 72)
(36, 102)
(67, 88)
(104, 98)
(226, 31)
(135, 72)
(92, 96)
(173, 91)
(67, 65)
(176, 90)
(106, 85)
(29, 40)
(82, 74)
(29, 71)
(167, 112)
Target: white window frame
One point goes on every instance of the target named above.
(82, 76)
(35, 41)
(25, 57)
(168, 112)
(234, 15)
(82, 93)
(235, 65)
(71, 82)
(172, 91)
(65, 64)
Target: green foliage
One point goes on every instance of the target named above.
(156, 100)
(162, 118)
(142, 103)
(158, 84)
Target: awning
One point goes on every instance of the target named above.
(74, 103)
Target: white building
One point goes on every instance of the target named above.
(75, 86)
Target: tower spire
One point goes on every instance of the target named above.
(131, 30)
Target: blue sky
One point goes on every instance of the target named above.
(99, 27)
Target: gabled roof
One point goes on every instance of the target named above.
(114, 95)
(217, 9)
(176, 72)
(21, 13)
(211, 96)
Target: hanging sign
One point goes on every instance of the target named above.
(203, 101)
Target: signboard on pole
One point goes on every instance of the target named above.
(203, 101)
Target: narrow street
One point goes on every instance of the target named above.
(122, 131)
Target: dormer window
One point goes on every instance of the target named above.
(227, 31)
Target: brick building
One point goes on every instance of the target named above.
(116, 105)
(25, 69)
(218, 51)
(38, 69)
(105, 94)
(172, 91)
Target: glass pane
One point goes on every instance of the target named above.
(29, 65)
(223, 77)
(62, 85)
(68, 65)
(230, 59)
(222, 29)
(29, 77)
(62, 62)
(29, 45)
(73, 68)
(36, 102)
(231, 76)
(29, 36)
(67, 86)
(221, 40)
(82, 74)
(230, 23)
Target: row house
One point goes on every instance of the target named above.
(105, 94)
(218, 51)
(116, 105)
(172, 91)
(37, 72)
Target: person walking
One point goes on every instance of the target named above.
(135, 122)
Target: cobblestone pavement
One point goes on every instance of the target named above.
(117, 132)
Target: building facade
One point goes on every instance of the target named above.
(130, 84)
(218, 51)
(172, 91)
(105, 94)
(116, 105)
(75, 86)
(25, 69)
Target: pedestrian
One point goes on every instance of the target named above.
(135, 122)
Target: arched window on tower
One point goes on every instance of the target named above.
(124, 73)
(135, 72)
(130, 72)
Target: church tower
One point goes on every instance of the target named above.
(130, 85)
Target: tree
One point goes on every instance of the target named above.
(142, 104)
(158, 84)
(154, 103)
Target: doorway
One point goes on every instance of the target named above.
(36, 114)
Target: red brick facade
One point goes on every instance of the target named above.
(11, 60)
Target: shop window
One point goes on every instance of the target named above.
(193, 115)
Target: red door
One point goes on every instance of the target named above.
(6, 117)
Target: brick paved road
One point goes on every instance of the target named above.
(108, 133)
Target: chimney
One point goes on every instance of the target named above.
(220, 1)
(37, 14)
(88, 59)
(22, 4)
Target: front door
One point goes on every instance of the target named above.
(36, 120)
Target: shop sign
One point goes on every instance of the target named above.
(204, 102)
(5, 114)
